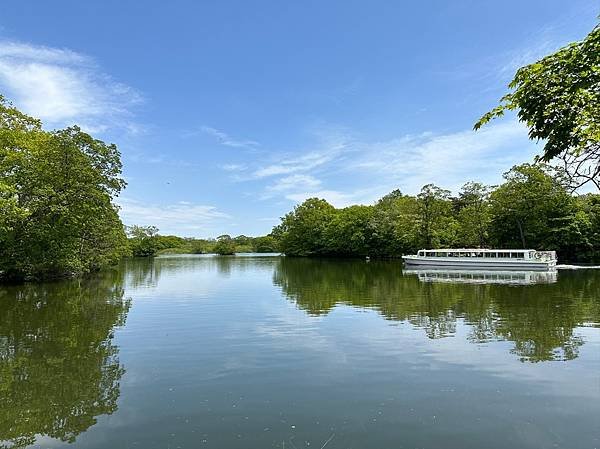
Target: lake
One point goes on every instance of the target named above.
(275, 352)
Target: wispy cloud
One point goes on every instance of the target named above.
(225, 139)
(543, 41)
(294, 182)
(234, 167)
(448, 160)
(182, 218)
(309, 161)
(63, 87)
(290, 185)
(287, 166)
(334, 197)
(355, 171)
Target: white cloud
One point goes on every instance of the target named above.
(336, 198)
(225, 139)
(304, 163)
(40, 53)
(294, 182)
(182, 218)
(233, 167)
(353, 171)
(448, 160)
(291, 184)
(63, 87)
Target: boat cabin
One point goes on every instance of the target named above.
(523, 254)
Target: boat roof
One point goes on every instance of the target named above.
(477, 250)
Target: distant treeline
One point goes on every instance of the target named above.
(531, 209)
(145, 241)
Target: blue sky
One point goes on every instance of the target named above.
(228, 113)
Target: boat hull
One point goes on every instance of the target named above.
(479, 263)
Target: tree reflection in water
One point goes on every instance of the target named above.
(58, 367)
(539, 319)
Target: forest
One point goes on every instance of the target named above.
(531, 209)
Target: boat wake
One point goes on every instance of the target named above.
(578, 267)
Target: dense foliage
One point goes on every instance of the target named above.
(558, 98)
(531, 209)
(56, 192)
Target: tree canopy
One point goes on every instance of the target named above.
(558, 98)
(56, 193)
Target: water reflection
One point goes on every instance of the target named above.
(147, 272)
(484, 276)
(540, 319)
(58, 367)
(217, 355)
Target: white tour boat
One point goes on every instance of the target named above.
(504, 259)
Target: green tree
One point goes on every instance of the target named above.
(437, 226)
(143, 240)
(579, 234)
(348, 234)
(394, 225)
(56, 192)
(474, 215)
(265, 244)
(530, 209)
(558, 98)
(303, 231)
(225, 246)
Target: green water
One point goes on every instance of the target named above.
(272, 352)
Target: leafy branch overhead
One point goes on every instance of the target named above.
(558, 98)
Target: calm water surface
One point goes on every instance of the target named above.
(273, 352)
